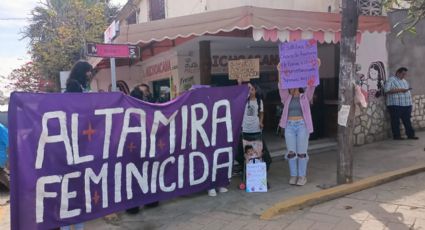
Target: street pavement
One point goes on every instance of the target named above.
(396, 205)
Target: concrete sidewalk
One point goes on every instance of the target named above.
(398, 205)
(240, 210)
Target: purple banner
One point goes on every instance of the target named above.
(299, 64)
(77, 157)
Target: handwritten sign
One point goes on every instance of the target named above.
(244, 69)
(256, 177)
(78, 157)
(299, 66)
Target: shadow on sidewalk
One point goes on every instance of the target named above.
(238, 209)
(396, 205)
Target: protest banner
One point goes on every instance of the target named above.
(244, 69)
(299, 64)
(76, 157)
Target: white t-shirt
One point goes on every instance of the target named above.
(251, 119)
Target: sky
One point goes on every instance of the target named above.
(13, 50)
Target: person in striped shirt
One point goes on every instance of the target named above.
(399, 102)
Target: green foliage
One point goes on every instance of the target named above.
(416, 12)
(28, 79)
(60, 29)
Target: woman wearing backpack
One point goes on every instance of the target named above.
(252, 126)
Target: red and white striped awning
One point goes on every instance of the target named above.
(275, 35)
(268, 24)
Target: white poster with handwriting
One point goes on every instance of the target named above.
(256, 177)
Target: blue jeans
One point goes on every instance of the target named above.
(296, 136)
(79, 226)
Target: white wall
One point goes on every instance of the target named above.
(131, 75)
(144, 11)
(175, 8)
(372, 49)
(307, 5)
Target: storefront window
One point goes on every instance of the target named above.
(157, 9)
(161, 90)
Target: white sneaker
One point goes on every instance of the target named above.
(222, 190)
(302, 180)
(212, 193)
(293, 180)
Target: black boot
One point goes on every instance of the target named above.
(133, 211)
(152, 205)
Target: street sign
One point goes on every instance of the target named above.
(113, 50)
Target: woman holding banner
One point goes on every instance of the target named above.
(297, 122)
(143, 93)
(79, 77)
(78, 82)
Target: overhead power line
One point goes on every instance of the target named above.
(13, 19)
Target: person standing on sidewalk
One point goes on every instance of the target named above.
(143, 93)
(399, 103)
(4, 155)
(252, 126)
(4, 146)
(77, 82)
(298, 125)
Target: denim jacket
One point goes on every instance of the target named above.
(305, 99)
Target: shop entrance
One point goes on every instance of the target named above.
(325, 102)
(161, 90)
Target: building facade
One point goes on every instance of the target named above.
(177, 52)
(150, 10)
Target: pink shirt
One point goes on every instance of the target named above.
(305, 99)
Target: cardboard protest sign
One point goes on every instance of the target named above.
(244, 69)
(299, 64)
(77, 157)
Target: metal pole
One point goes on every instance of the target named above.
(113, 75)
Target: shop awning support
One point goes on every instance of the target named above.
(205, 62)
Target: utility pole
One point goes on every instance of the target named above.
(347, 70)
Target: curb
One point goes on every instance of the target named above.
(338, 191)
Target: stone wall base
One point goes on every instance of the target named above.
(373, 123)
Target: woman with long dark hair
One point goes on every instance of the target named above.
(78, 80)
